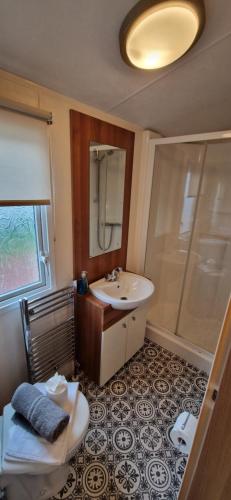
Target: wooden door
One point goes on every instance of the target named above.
(208, 474)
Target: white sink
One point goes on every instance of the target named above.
(128, 292)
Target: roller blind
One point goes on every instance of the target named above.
(24, 160)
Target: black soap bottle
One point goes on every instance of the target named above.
(82, 284)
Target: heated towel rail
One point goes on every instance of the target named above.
(49, 331)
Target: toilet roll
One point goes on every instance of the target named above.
(56, 388)
(182, 433)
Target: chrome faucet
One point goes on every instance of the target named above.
(114, 275)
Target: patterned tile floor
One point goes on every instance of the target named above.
(127, 452)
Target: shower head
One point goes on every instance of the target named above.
(97, 158)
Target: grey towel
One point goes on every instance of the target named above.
(45, 416)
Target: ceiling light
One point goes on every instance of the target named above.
(156, 33)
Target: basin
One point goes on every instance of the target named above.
(129, 291)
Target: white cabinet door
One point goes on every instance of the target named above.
(135, 331)
(113, 349)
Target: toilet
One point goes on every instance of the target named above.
(29, 481)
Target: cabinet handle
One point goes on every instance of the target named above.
(124, 325)
(134, 318)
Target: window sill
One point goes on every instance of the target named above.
(13, 302)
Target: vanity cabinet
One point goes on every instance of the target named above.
(120, 342)
(135, 324)
(107, 338)
(113, 350)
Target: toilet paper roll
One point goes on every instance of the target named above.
(56, 388)
(183, 432)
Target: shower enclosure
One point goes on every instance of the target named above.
(188, 254)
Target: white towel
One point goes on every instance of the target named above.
(25, 446)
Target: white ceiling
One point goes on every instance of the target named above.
(71, 46)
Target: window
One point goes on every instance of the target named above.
(23, 250)
(25, 192)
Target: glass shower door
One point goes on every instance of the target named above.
(207, 282)
(176, 178)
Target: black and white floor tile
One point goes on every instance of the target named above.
(127, 452)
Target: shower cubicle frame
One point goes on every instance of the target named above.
(192, 353)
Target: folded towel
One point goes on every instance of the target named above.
(25, 446)
(45, 416)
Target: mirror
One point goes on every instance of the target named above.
(107, 179)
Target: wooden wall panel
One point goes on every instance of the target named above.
(85, 129)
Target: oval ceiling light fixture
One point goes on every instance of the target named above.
(156, 33)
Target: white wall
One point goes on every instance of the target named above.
(140, 200)
(12, 358)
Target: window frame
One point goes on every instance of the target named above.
(41, 215)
